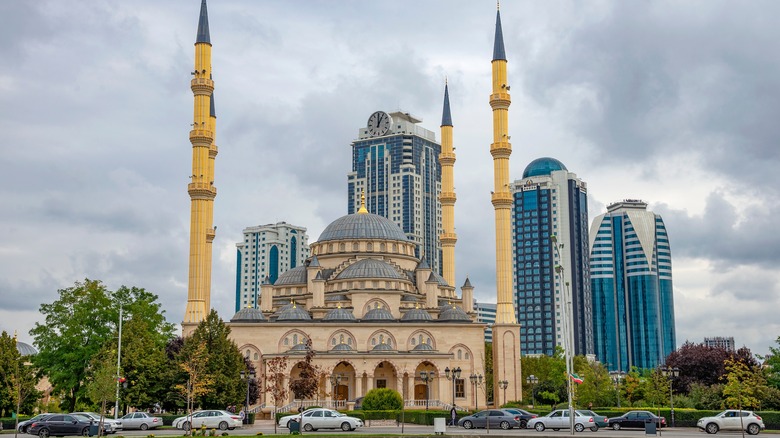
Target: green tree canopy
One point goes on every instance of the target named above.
(597, 387)
(382, 399)
(17, 378)
(745, 387)
(772, 363)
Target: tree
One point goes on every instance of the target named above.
(307, 383)
(656, 388)
(144, 364)
(224, 363)
(275, 372)
(632, 386)
(194, 364)
(772, 364)
(697, 363)
(101, 384)
(551, 372)
(597, 387)
(17, 379)
(489, 371)
(744, 388)
(382, 399)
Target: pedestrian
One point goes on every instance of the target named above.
(453, 415)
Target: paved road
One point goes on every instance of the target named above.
(266, 427)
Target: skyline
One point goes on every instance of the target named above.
(664, 102)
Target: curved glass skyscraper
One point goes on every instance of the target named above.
(631, 283)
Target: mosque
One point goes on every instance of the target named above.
(377, 315)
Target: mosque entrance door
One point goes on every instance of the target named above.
(342, 392)
(419, 392)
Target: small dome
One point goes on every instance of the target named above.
(25, 349)
(370, 268)
(293, 313)
(416, 314)
(382, 347)
(363, 226)
(298, 348)
(409, 298)
(339, 314)
(543, 166)
(454, 314)
(343, 348)
(340, 297)
(295, 275)
(378, 314)
(423, 347)
(248, 314)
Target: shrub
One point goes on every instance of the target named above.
(382, 399)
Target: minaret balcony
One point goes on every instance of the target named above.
(201, 190)
(447, 158)
(502, 199)
(202, 86)
(448, 239)
(201, 137)
(500, 100)
(447, 197)
(501, 149)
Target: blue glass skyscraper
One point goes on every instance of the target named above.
(551, 200)
(396, 162)
(631, 280)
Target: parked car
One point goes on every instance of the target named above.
(322, 418)
(523, 414)
(212, 419)
(732, 419)
(61, 425)
(494, 418)
(559, 419)
(636, 419)
(141, 420)
(112, 426)
(601, 420)
(23, 425)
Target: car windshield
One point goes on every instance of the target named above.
(82, 417)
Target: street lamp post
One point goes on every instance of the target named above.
(671, 373)
(335, 379)
(426, 377)
(249, 377)
(473, 380)
(503, 384)
(617, 377)
(532, 380)
(453, 375)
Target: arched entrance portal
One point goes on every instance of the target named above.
(342, 383)
(425, 384)
(385, 376)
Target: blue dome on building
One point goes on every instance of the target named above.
(363, 226)
(543, 166)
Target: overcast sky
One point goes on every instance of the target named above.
(675, 103)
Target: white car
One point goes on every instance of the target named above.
(112, 426)
(559, 419)
(321, 418)
(731, 419)
(212, 419)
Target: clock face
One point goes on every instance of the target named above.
(379, 123)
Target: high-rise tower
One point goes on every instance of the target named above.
(551, 200)
(396, 162)
(506, 331)
(631, 282)
(201, 187)
(447, 197)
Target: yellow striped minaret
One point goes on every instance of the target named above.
(201, 189)
(506, 331)
(447, 197)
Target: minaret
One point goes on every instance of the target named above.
(447, 197)
(201, 189)
(506, 331)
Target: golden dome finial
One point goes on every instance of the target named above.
(15, 337)
(363, 203)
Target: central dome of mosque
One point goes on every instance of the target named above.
(543, 166)
(362, 226)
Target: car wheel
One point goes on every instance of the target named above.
(711, 428)
(144, 426)
(223, 425)
(594, 428)
(579, 427)
(539, 427)
(185, 426)
(346, 426)
(523, 424)
(43, 433)
(615, 426)
(505, 425)
(467, 424)
(753, 429)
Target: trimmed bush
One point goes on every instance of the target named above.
(382, 399)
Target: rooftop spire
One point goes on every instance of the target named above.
(446, 117)
(363, 203)
(498, 44)
(203, 25)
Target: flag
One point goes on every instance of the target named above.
(576, 379)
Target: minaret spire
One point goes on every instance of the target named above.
(201, 187)
(447, 196)
(506, 331)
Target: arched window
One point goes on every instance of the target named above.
(273, 264)
(467, 355)
(370, 246)
(330, 247)
(395, 247)
(413, 342)
(342, 247)
(420, 339)
(349, 341)
(295, 339)
(460, 354)
(355, 246)
(247, 353)
(286, 341)
(293, 252)
(382, 247)
(257, 356)
(333, 341)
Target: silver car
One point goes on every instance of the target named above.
(559, 419)
(112, 426)
(141, 420)
(321, 418)
(211, 419)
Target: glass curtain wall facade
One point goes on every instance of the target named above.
(401, 176)
(551, 200)
(631, 280)
(267, 251)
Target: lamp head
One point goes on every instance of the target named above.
(447, 372)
